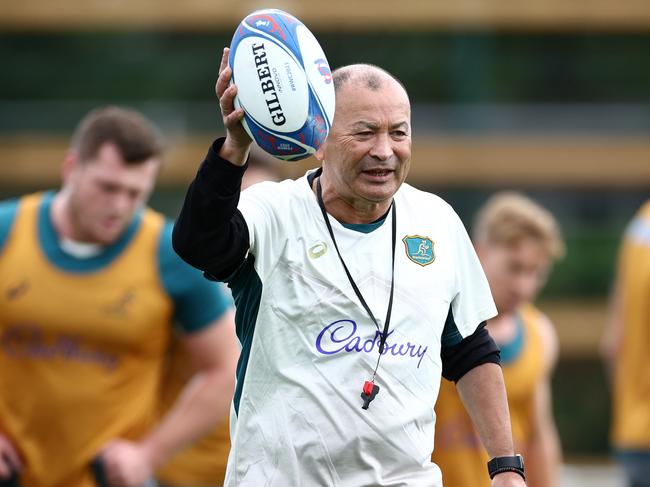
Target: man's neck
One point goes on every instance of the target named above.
(61, 217)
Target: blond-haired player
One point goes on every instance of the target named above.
(517, 242)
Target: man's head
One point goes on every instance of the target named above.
(109, 173)
(367, 154)
(517, 242)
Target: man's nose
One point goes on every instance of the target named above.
(121, 201)
(382, 149)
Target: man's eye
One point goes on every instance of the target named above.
(109, 188)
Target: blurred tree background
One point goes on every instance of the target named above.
(555, 104)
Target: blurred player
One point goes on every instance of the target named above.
(90, 290)
(625, 349)
(204, 463)
(517, 242)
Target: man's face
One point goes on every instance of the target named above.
(105, 194)
(367, 154)
(515, 272)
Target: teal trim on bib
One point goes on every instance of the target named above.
(49, 242)
(8, 210)
(511, 350)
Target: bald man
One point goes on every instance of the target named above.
(354, 293)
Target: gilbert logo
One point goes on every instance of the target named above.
(267, 85)
(419, 249)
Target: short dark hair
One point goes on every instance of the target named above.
(368, 75)
(137, 139)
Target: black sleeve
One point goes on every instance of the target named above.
(473, 350)
(210, 233)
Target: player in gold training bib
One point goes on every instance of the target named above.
(90, 293)
(517, 242)
(625, 348)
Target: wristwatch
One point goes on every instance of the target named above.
(499, 465)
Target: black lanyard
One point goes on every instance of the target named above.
(383, 335)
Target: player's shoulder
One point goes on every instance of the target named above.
(276, 190)
(412, 194)
(429, 206)
(174, 271)
(8, 212)
(546, 332)
(279, 196)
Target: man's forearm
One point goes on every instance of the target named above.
(483, 393)
(543, 460)
(198, 409)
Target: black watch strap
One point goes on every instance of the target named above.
(499, 465)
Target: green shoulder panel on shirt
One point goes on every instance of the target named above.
(197, 301)
(450, 334)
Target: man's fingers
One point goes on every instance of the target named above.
(224, 59)
(223, 81)
(233, 118)
(227, 101)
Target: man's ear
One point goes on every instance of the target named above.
(320, 153)
(70, 164)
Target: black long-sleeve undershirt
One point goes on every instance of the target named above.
(210, 233)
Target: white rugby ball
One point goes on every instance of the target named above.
(284, 84)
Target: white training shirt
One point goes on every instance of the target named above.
(297, 417)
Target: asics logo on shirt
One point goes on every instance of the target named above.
(317, 250)
(341, 337)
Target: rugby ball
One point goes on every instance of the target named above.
(284, 84)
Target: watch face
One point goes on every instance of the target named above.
(521, 460)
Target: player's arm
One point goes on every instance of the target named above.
(203, 402)
(473, 364)
(543, 452)
(610, 341)
(206, 398)
(210, 233)
(483, 393)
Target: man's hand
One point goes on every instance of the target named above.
(508, 479)
(9, 459)
(126, 464)
(237, 145)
